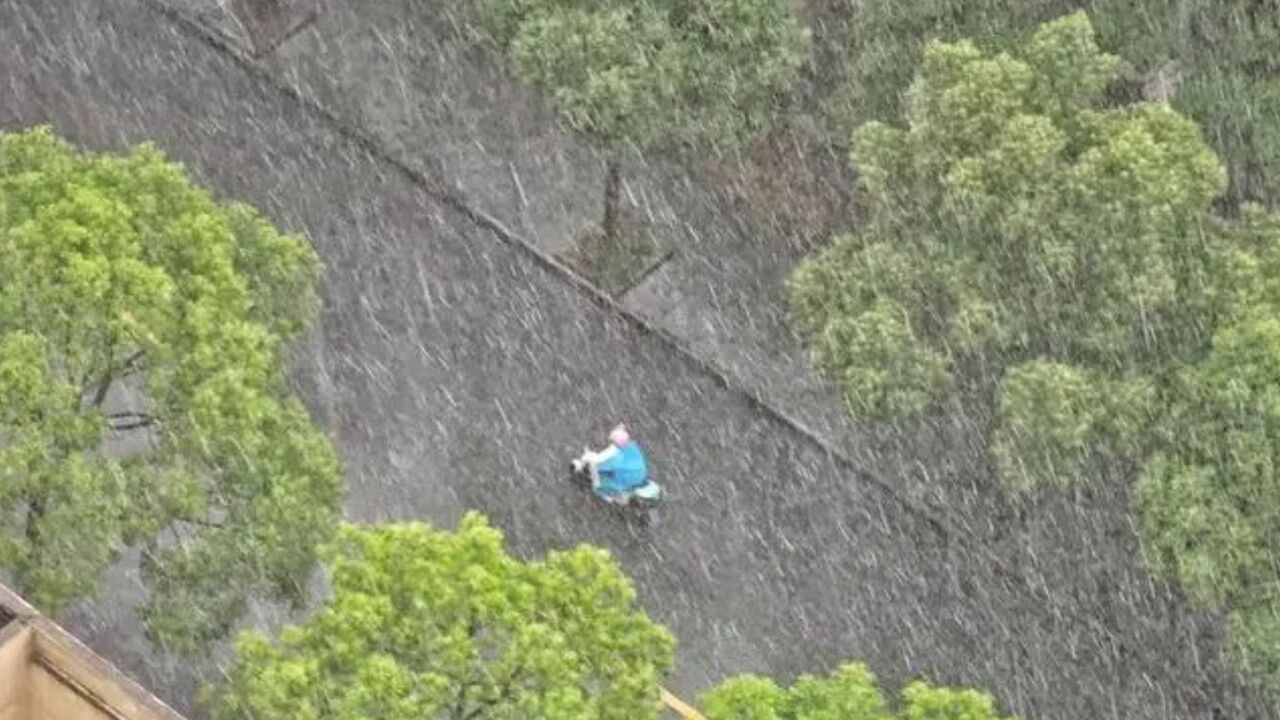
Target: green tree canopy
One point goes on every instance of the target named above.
(1215, 60)
(633, 76)
(141, 397)
(1059, 257)
(1013, 221)
(428, 624)
(1210, 495)
(848, 693)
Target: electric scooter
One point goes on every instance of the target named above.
(642, 502)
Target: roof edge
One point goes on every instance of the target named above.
(78, 668)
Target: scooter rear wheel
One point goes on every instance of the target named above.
(650, 516)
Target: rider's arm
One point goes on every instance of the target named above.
(602, 457)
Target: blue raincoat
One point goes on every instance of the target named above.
(623, 472)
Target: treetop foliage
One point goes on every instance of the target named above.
(429, 624)
(1213, 59)
(707, 73)
(1012, 219)
(1208, 494)
(1039, 249)
(848, 693)
(141, 395)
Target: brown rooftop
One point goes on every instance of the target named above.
(46, 674)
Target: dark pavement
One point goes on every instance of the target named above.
(455, 372)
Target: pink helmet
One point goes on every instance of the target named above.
(619, 435)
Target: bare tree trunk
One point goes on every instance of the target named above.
(612, 187)
(257, 15)
(270, 22)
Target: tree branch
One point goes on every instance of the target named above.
(130, 365)
(126, 368)
(139, 420)
(105, 384)
(35, 512)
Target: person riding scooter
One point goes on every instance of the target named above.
(618, 470)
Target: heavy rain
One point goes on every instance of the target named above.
(459, 360)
